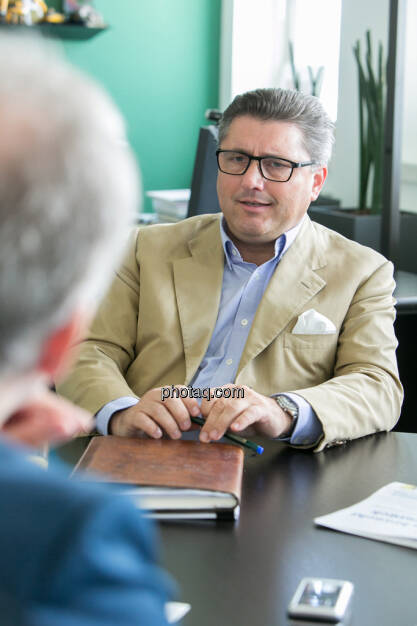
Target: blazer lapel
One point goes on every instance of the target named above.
(292, 285)
(198, 283)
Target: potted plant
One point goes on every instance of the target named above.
(310, 83)
(363, 224)
(371, 127)
(315, 80)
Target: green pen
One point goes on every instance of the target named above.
(241, 440)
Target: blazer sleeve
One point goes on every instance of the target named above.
(74, 554)
(364, 395)
(102, 571)
(98, 374)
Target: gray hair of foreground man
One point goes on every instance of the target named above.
(305, 112)
(68, 192)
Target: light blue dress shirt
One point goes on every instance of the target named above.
(243, 287)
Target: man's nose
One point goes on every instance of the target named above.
(253, 178)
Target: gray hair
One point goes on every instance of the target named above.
(68, 193)
(305, 112)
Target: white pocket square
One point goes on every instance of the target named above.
(313, 323)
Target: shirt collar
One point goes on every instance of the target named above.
(281, 245)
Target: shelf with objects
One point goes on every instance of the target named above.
(73, 20)
(60, 31)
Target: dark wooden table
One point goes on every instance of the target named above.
(244, 574)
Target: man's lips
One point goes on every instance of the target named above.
(253, 204)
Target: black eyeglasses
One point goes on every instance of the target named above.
(272, 168)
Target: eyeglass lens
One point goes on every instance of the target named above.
(272, 167)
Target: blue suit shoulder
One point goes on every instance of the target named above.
(73, 554)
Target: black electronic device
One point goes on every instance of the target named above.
(203, 198)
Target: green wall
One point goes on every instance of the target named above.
(160, 62)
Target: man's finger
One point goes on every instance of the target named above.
(179, 412)
(219, 419)
(143, 424)
(177, 395)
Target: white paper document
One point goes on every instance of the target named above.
(389, 514)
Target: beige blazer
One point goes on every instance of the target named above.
(155, 324)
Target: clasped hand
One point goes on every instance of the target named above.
(154, 417)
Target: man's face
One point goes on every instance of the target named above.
(259, 210)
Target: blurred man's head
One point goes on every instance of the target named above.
(68, 192)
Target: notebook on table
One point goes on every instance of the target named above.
(168, 479)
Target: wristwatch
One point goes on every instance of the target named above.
(290, 407)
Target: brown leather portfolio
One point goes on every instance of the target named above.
(169, 479)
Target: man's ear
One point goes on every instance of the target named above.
(55, 357)
(319, 176)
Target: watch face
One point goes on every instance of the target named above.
(288, 405)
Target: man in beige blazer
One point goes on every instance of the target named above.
(257, 297)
